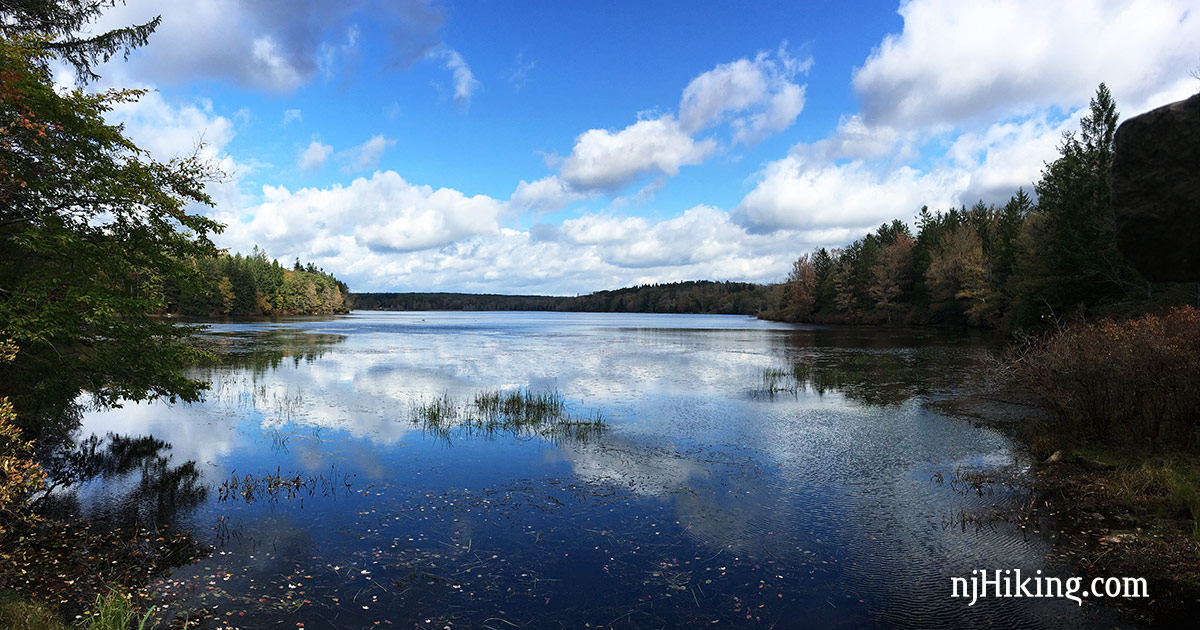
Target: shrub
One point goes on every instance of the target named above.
(20, 475)
(1135, 383)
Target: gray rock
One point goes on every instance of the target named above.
(1156, 191)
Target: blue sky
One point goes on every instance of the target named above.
(567, 147)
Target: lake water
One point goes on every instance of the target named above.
(750, 474)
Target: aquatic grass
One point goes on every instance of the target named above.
(437, 413)
(517, 412)
(777, 381)
(488, 403)
(576, 430)
(274, 486)
(523, 407)
(801, 373)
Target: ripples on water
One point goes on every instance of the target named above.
(706, 501)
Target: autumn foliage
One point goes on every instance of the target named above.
(1136, 382)
(20, 475)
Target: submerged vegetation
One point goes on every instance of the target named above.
(518, 412)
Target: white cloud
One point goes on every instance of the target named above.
(602, 160)
(595, 229)
(957, 61)
(169, 131)
(702, 235)
(752, 99)
(794, 193)
(465, 84)
(1008, 155)
(757, 97)
(381, 215)
(292, 115)
(856, 139)
(367, 154)
(967, 103)
(312, 159)
(386, 234)
(547, 194)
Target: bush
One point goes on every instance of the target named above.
(20, 475)
(1135, 383)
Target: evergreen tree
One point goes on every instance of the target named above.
(55, 27)
(1081, 264)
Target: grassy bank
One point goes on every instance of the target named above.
(112, 611)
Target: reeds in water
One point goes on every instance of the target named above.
(519, 412)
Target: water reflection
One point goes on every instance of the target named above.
(698, 501)
(877, 377)
(143, 488)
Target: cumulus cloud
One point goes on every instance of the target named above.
(609, 161)
(271, 44)
(751, 98)
(756, 96)
(1008, 154)
(585, 256)
(170, 129)
(384, 233)
(312, 159)
(957, 61)
(367, 154)
(381, 215)
(794, 193)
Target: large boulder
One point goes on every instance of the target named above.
(1156, 191)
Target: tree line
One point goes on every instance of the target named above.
(1012, 266)
(696, 296)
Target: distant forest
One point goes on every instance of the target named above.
(700, 296)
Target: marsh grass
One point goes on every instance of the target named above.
(112, 611)
(437, 413)
(515, 412)
(786, 380)
(777, 381)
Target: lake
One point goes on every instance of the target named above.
(721, 471)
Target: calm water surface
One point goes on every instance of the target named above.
(716, 497)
